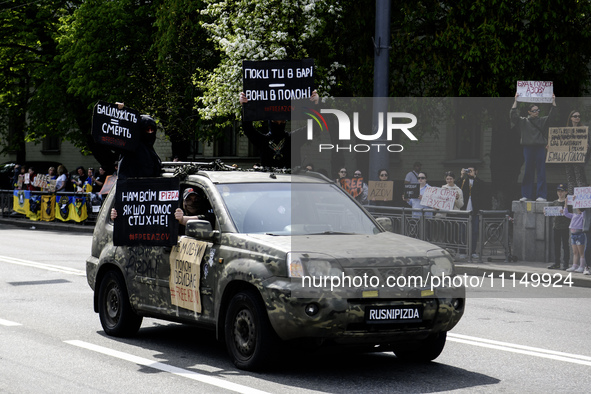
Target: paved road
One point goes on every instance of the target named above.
(52, 342)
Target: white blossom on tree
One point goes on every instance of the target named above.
(259, 30)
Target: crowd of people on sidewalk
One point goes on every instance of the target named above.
(59, 180)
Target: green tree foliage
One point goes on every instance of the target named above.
(482, 47)
(181, 48)
(27, 55)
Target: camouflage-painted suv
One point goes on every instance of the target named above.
(288, 257)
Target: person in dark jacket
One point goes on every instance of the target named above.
(533, 129)
(274, 143)
(560, 232)
(144, 161)
(475, 199)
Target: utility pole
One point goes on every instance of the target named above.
(381, 72)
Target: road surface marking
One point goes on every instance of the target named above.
(48, 267)
(167, 368)
(521, 349)
(8, 323)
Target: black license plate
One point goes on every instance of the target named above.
(394, 314)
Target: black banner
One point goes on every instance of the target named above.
(114, 127)
(145, 212)
(270, 86)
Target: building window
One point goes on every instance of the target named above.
(226, 145)
(468, 135)
(51, 145)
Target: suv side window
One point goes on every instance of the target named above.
(201, 205)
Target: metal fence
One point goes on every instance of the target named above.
(7, 202)
(452, 230)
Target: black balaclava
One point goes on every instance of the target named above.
(146, 122)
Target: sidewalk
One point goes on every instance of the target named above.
(56, 225)
(518, 268)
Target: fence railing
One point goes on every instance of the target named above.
(91, 202)
(452, 230)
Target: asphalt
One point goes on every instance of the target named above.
(497, 267)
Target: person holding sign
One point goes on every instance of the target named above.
(575, 172)
(275, 142)
(533, 129)
(143, 161)
(361, 188)
(385, 182)
(450, 184)
(560, 232)
(32, 176)
(415, 203)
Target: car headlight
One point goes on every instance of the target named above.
(441, 263)
(311, 264)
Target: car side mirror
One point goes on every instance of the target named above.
(201, 229)
(386, 223)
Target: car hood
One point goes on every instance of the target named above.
(379, 250)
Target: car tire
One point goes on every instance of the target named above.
(250, 339)
(116, 314)
(426, 350)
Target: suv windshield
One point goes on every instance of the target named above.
(294, 209)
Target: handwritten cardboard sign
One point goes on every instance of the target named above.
(582, 197)
(535, 91)
(380, 190)
(270, 86)
(567, 144)
(553, 211)
(439, 198)
(110, 181)
(145, 212)
(185, 273)
(114, 127)
(353, 186)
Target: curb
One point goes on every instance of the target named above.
(53, 226)
(578, 280)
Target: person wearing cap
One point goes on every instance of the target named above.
(560, 232)
(195, 207)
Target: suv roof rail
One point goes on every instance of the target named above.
(182, 169)
(313, 174)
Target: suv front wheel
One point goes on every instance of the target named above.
(250, 339)
(117, 317)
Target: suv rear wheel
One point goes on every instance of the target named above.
(117, 317)
(426, 350)
(249, 336)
